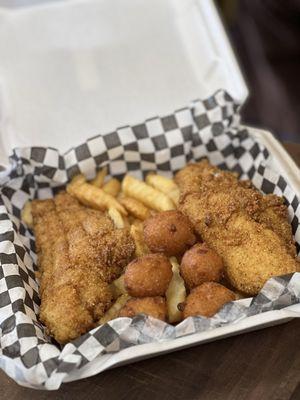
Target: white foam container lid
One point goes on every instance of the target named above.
(72, 69)
(75, 68)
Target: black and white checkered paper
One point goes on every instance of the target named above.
(207, 128)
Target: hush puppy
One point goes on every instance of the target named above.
(153, 306)
(201, 264)
(169, 232)
(206, 300)
(148, 275)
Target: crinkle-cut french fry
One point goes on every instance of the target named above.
(95, 197)
(118, 287)
(126, 222)
(112, 187)
(26, 214)
(136, 231)
(113, 311)
(146, 194)
(116, 217)
(175, 195)
(175, 294)
(121, 195)
(100, 176)
(77, 180)
(135, 208)
(165, 185)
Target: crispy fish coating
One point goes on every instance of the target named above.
(260, 254)
(79, 254)
(248, 230)
(64, 314)
(273, 213)
(116, 250)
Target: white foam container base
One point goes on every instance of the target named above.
(72, 69)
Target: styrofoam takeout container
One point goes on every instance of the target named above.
(95, 65)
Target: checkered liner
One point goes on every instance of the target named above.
(207, 128)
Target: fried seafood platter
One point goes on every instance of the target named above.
(168, 248)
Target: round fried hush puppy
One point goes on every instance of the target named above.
(148, 275)
(201, 264)
(169, 232)
(154, 306)
(206, 300)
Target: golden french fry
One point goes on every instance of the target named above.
(95, 197)
(135, 208)
(100, 176)
(77, 180)
(112, 187)
(175, 294)
(165, 185)
(146, 194)
(113, 311)
(136, 231)
(116, 217)
(118, 287)
(26, 214)
(121, 195)
(126, 221)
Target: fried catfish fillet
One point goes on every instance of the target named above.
(79, 254)
(249, 230)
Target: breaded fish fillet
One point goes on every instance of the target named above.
(79, 254)
(249, 230)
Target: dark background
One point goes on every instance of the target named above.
(265, 35)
